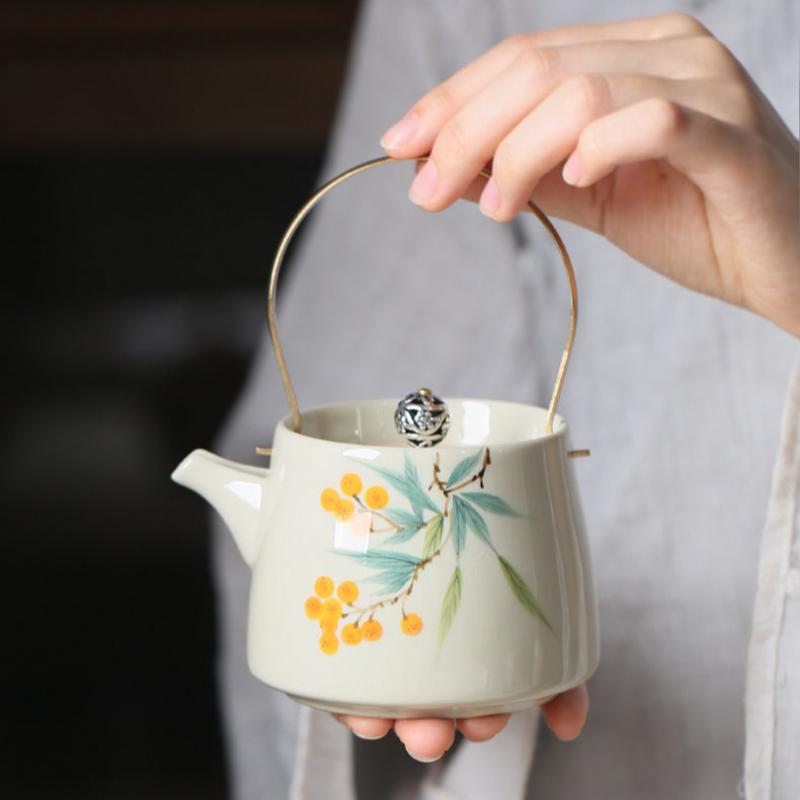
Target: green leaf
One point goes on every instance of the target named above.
(464, 469)
(417, 496)
(491, 503)
(408, 485)
(394, 570)
(380, 559)
(394, 478)
(458, 524)
(404, 518)
(476, 523)
(391, 581)
(403, 535)
(410, 470)
(433, 535)
(450, 603)
(521, 591)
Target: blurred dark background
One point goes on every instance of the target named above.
(151, 154)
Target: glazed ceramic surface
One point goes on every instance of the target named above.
(395, 581)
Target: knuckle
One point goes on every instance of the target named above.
(717, 59)
(713, 48)
(589, 94)
(745, 108)
(439, 101)
(452, 140)
(678, 23)
(537, 63)
(517, 44)
(592, 140)
(668, 117)
(505, 162)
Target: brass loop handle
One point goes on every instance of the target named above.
(317, 196)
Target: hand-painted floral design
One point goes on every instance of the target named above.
(327, 611)
(457, 517)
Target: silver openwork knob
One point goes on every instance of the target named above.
(422, 418)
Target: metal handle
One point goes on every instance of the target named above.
(317, 196)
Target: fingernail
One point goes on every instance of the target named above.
(577, 702)
(368, 738)
(424, 759)
(490, 198)
(401, 133)
(424, 185)
(572, 170)
(571, 736)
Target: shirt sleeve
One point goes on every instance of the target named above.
(772, 768)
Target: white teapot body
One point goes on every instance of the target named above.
(395, 581)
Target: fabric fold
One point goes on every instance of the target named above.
(324, 759)
(772, 752)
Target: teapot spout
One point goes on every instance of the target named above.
(236, 491)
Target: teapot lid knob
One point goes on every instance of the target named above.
(423, 418)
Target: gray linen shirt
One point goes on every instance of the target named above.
(678, 396)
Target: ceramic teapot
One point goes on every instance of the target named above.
(396, 580)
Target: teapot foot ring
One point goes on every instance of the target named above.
(458, 711)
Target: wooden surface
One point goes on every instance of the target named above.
(170, 73)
